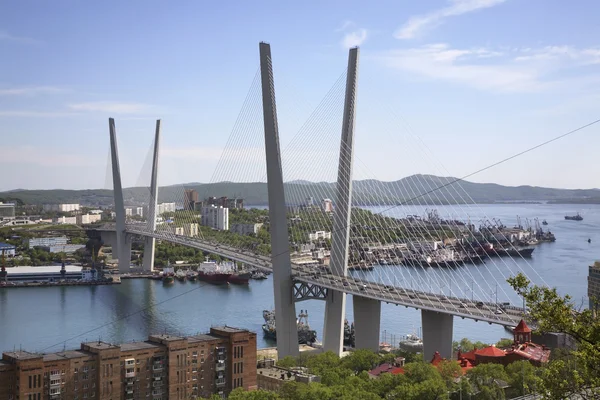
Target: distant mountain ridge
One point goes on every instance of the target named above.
(415, 189)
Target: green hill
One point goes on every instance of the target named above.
(420, 189)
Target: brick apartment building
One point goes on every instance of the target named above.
(160, 368)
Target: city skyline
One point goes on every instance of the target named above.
(517, 82)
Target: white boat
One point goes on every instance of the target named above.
(412, 343)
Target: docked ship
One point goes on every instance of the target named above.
(412, 343)
(258, 275)
(305, 334)
(168, 276)
(240, 278)
(574, 217)
(192, 276)
(211, 271)
(348, 333)
(180, 275)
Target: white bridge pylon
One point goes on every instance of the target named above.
(292, 282)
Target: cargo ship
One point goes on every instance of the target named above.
(240, 277)
(210, 271)
(574, 217)
(305, 334)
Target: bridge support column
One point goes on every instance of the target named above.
(437, 334)
(149, 242)
(367, 317)
(122, 250)
(285, 308)
(335, 306)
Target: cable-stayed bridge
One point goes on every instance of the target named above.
(322, 240)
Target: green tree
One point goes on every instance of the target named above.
(579, 373)
(450, 372)
(486, 380)
(523, 377)
(287, 362)
(241, 394)
(503, 343)
(361, 360)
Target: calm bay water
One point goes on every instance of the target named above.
(50, 318)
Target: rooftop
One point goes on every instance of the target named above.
(490, 351)
(65, 355)
(6, 245)
(48, 269)
(166, 338)
(22, 355)
(522, 328)
(532, 351)
(202, 338)
(229, 329)
(138, 346)
(99, 345)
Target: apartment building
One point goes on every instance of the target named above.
(162, 367)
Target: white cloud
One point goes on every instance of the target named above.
(355, 38)
(417, 24)
(112, 107)
(510, 70)
(5, 36)
(347, 24)
(29, 91)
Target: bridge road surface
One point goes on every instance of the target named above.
(464, 308)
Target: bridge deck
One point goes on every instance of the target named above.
(464, 308)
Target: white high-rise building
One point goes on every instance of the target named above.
(327, 205)
(61, 207)
(216, 217)
(165, 207)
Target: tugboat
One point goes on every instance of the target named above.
(168, 276)
(574, 217)
(258, 275)
(305, 334)
(191, 275)
(180, 275)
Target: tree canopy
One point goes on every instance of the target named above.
(576, 372)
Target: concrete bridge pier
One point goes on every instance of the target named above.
(333, 326)
(437, 334)
(367, 321)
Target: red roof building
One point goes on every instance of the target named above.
(522, 349)
(465, 364)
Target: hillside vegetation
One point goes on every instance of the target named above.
(418, 189)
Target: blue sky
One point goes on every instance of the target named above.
(476, 81)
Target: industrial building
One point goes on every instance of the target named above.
(162, 367)
(49, 273)
(47, 241)
(245, 229)
(7, 211)
(7, 249)
(61, 207)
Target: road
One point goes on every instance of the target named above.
(464, 308)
